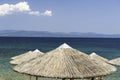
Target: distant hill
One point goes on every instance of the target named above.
(22, 33)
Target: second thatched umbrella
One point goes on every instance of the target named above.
(101, 60)
(97, 57)
(26, 57)
(21, 55)
(115, 61)
(64, 62)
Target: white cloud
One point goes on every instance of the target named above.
(10, 8)
(21, 7)
(37, 13)
(48, 13)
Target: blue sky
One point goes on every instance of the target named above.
(99, 16)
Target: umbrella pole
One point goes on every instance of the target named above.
(36, 78)
(92, 78)
(101, 77)
(87, 79)
(30, 77)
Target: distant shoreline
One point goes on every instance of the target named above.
(58, 37)
(22, 33)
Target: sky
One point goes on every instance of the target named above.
(97, 16)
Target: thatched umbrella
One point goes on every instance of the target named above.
(18, 56)
(97, 57)
(64, 62)
(115, 61)
(26, 57)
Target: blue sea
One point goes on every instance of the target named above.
(12, 46)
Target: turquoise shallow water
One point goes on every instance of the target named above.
(12, 46)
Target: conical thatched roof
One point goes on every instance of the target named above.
(115, 61)
(97, 57)
(64, 62)
(101, 60)
(26, 57)
(15, 57)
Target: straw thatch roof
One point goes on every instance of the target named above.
(97, 57)
(26, 57)
(115, 61)
(101, 60)
(15, 57)
(64, 62)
